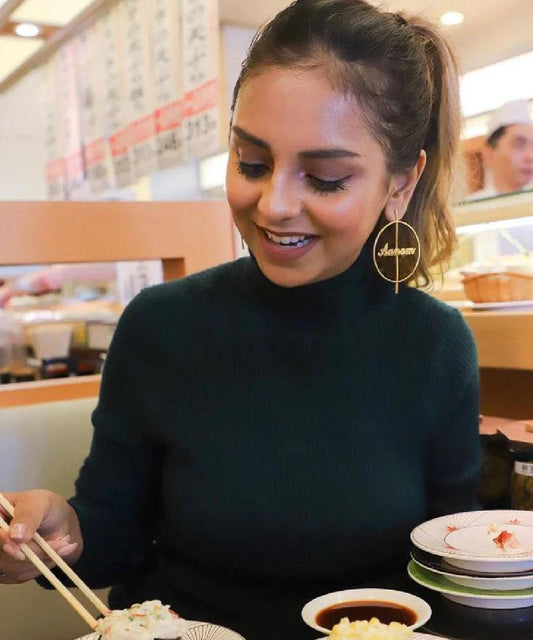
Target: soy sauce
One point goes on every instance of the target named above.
(386, 612)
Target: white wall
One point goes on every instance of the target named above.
(22, 141)
(235, 43)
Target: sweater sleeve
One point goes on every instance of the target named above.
(454, 457)
(115, 489)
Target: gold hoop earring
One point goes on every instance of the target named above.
(406, 256)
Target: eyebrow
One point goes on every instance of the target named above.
(311, 153)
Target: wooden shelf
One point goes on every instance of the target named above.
(495, 209)
(24, 393)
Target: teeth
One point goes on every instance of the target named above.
(288, 241)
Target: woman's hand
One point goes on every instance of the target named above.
(50, 515)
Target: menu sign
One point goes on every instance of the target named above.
(115, 114)
(200, 76)
(138, 81)
(55, 166)
(95, 148)
(168, 92)
(70, 113)
(135, 93)
(134, 276)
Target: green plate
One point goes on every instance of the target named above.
(481, 598)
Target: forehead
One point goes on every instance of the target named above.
(299, 106)
(515, 131)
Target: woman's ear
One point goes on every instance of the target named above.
(401, 189)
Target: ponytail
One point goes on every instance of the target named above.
(429, 210)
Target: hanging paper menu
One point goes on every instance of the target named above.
(139, 85)
(115, 112)
(55, 165)
(134, 276)
(167, 75)
(200, 46)
(94, 144)
(68, 105)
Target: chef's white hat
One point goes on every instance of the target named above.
(514, 112)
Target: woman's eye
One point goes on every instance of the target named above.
(327, 186)
(252, 171)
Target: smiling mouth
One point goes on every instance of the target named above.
(288, 241)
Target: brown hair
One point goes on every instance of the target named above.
(405, 78)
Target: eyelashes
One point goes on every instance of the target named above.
(255, 171)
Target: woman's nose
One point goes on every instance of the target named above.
(280, 198)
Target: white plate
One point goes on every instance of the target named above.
(467, 540)
(416, 636)
(495, 306)
(438, 564)
(479, 598)
(313, 607)
(196, 631)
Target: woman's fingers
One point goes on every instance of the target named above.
(42, 511)
(31, 508)
(15, 567)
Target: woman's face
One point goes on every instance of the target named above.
(306, 180)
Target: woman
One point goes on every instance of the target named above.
(273, 428)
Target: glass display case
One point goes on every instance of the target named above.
(496, 238)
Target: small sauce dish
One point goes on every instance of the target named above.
(388, 605)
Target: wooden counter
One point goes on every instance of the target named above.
(504, 338)
(186, 236)
(505, 345)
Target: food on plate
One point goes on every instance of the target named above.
(146, 621)
(507, 541)
(371, 629)
(384, 611)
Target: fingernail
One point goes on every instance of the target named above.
(19, 531)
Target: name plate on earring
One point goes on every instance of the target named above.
(385, 252)
(397, 240)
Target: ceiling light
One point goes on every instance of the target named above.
(451, 18)
(27, 30)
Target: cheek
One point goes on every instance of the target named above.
(355, 217)
(240, 195)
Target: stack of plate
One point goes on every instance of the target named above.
(479, 558)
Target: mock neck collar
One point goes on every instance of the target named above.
(356, 286)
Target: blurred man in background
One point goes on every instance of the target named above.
(508, 151)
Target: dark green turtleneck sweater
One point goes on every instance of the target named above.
(274, 443)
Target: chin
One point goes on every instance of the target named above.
(288, 278)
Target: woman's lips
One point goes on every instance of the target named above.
(287, 246)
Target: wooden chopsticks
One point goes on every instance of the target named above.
(39, 564)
